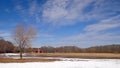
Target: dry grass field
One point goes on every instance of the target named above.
(10, 60)
(83, 55)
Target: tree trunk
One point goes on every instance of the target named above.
(21, 55)
(21, 51)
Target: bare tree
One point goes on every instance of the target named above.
(23, 37)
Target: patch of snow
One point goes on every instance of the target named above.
(92, 63)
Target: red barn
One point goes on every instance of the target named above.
(38, 51)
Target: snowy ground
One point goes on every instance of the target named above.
(66, 63)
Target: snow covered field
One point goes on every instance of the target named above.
(67, 63)
(64, 63)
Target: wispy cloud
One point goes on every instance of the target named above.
(32, 11)
(64, 12)
(45, 35)
(106, 24)
(6, 35)
(67, 12)
(87, 39)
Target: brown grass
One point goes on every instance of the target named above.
(83, 55)
(10, 60)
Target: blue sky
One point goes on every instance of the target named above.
(82, 23)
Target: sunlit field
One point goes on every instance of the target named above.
(81, 55)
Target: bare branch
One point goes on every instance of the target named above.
(23, 37)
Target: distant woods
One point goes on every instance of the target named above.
(8, 47)
(74, 49)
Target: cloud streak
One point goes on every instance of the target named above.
(68, 12)
(65, 12)
(106, 24)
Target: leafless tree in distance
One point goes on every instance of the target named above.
(23, 37)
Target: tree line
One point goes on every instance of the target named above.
(115, 48)
(6, 46)
(9, 47)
